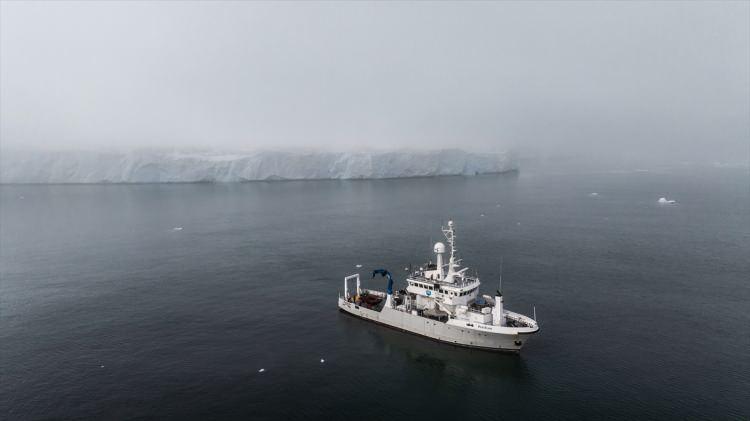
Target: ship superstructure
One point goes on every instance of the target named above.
(441, 301)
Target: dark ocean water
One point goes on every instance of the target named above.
(109, 313)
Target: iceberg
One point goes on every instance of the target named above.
(665, 201)
(183, 167)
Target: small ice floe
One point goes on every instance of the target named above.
(101, 366)
(665, 201)
(322, 361)
(177, 229)
(261, 370)
(481, 214)
(518, 223)
(594, 194)
(359, 266)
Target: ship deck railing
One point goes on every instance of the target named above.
(462, 281)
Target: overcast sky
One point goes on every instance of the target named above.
(599, 79)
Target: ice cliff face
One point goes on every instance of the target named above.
(177, 167)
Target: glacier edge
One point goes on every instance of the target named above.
(38, 167)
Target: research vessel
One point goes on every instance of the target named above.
(441, 301)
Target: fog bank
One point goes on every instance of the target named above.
(593, 81)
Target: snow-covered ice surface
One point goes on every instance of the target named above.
(179, 167)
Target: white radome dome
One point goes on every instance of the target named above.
(439, 247)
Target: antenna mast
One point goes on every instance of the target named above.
(450, 235)
(500, 281)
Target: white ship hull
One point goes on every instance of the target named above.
(455, 332)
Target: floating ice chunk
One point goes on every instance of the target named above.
(665, 201)
(594, 194)
(177, 229)
(261, 370)
(101, 366)
(481, 214)
(359, 266)
(322, 361)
